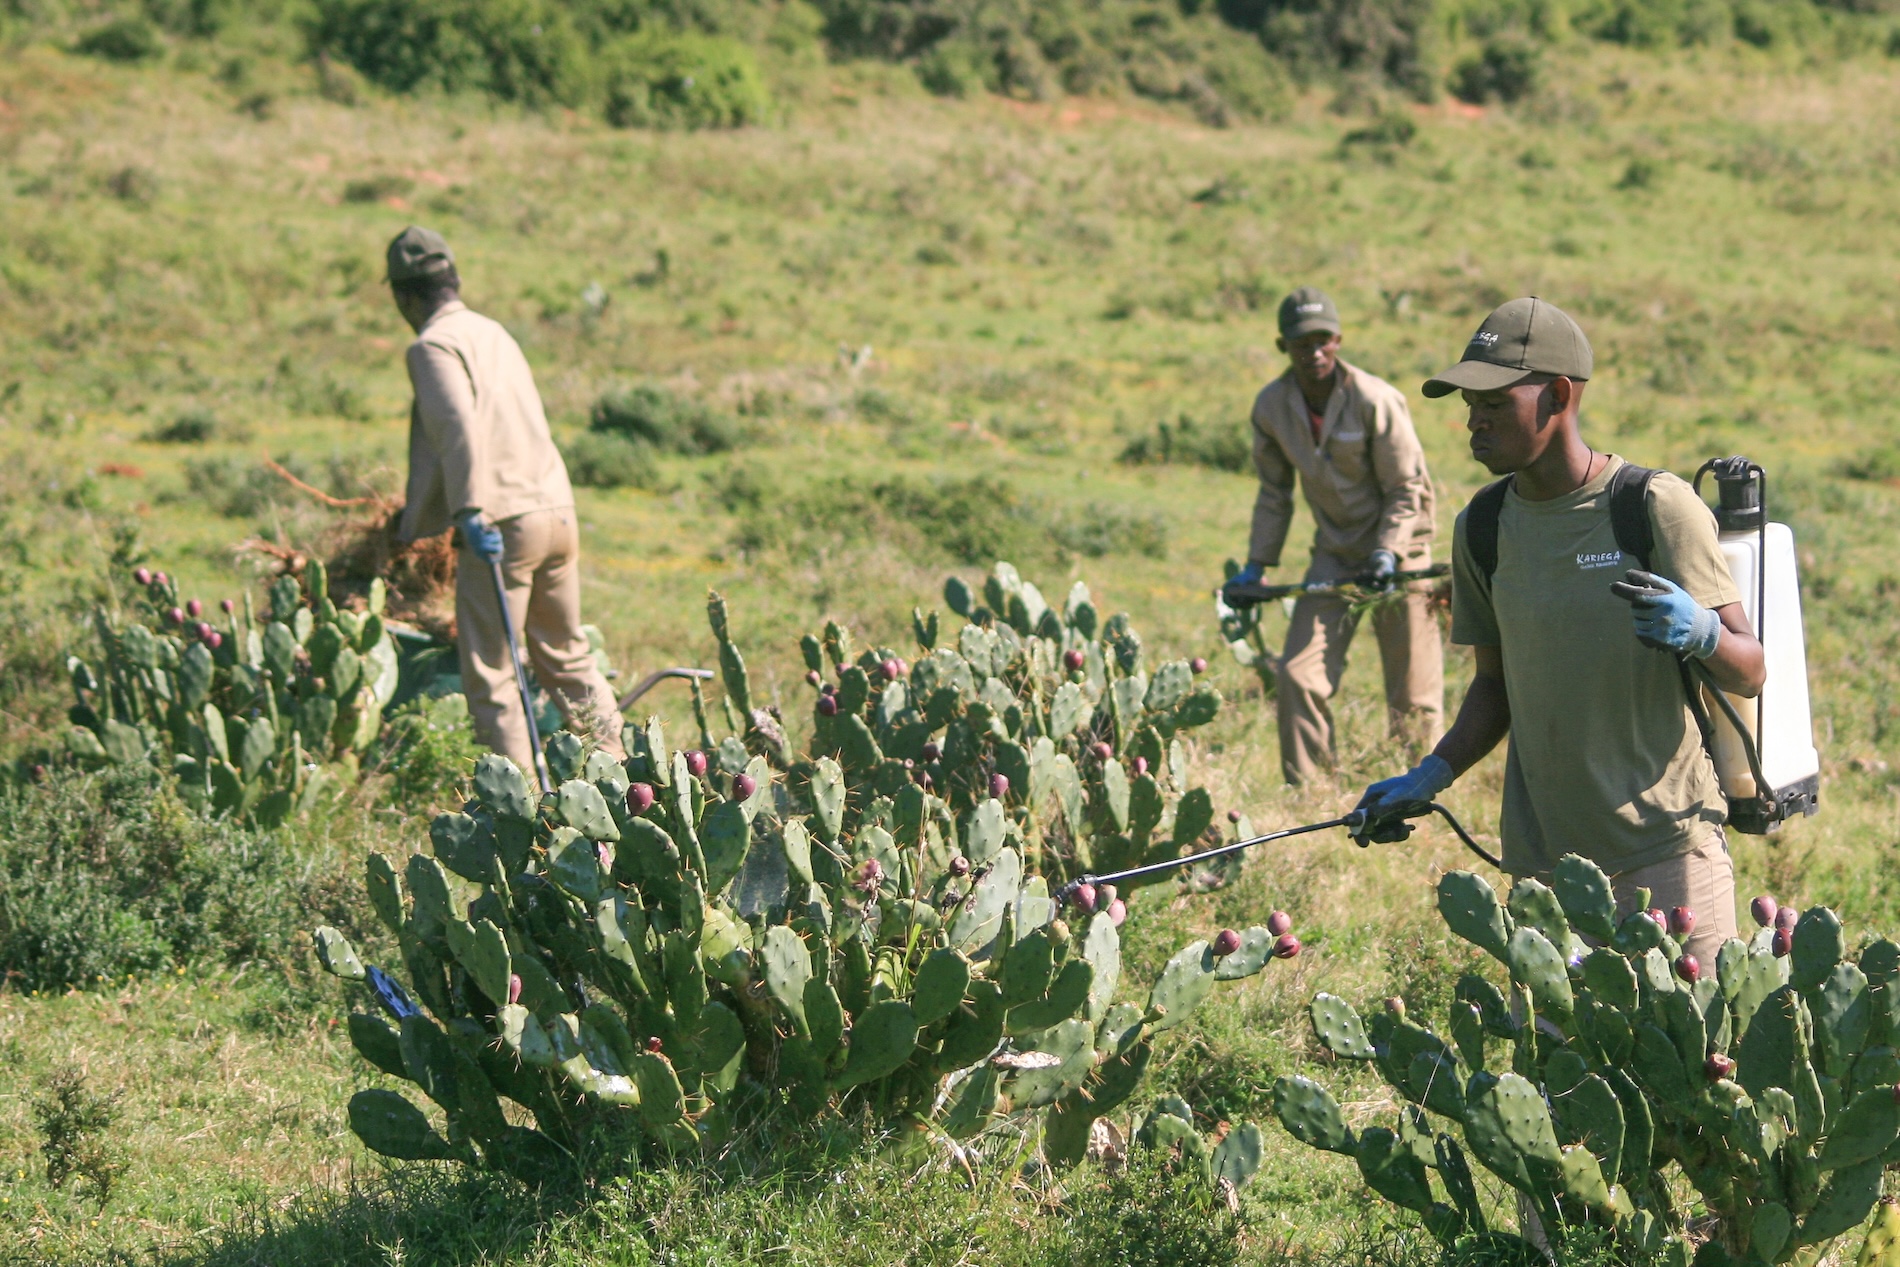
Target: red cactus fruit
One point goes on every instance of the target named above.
(959, 866)
(1717, 1067)
(37, 772)
(1226, 941)
(1141, 766)
(999, 786)
(1287, 947)
(891, 669)
(1233, 815)
(1074, 659)
(639, 798)
(932, 751)
(1681, 921)
(1787, 917)
(1101, 751)
(1197, 666)
(606, 859)
(1658, 917)
(870, 876)
(654, 1044)
(1764, 910)
(214, 640)
(695, 762)
(811, 675)
(226, 606)
(195, 608)
(1084, 897)
(514, 989)
(743, 787)
(142, 575)
(204, 631)
(1117, 912)
(1396, 1006)
(827, 705)
(1689, 968)
(1783, 943)
(1279, 923)
(160, 579)
(924, 780)
(176, 615)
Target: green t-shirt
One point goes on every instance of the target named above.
(1605, 758)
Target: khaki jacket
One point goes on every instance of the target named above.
(1365, 480)
(478, 437)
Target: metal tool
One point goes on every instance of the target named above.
(1365, 830)
(521, 675)
(653, 679)
(1238, 596)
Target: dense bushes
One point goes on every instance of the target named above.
(629, 426)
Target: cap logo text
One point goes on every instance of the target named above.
(1485, 338)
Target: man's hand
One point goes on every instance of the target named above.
(1666, 617)
(1382, 565)
(1249, 575)
(482, 537)
(1414, 789)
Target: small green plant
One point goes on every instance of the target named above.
(652, 415)
(1225, 448)
(129, 39)
(608, 459)
(429, 750)
(682, 80)
(1507, 69)
(75, 1122)
(1769, 1082)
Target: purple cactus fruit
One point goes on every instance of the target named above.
(639, 798)
(176, 615)
(999, 786)
(829, 688)
(743, 786)
(195, 608)
(932, 751)
(1287, 947)
(1717, 1067)
(1101, 751)
(1787, 917)
(923, 779)
(1681, 921)
(827, 706)
(1764, 909)
(37, 772)
(1141, 766)
(1783, 943)
(1396, 1006)
(214, 640)
(226, 606)
(695, 762)
(142, 575)
(1279, 923)
(959, 866)
(514, 989)
(1197, 666)
(204, 631)
(870, 876)
(1233, 816)
(606, 859)
(1658, 917)
(160, 579)
(811, 675)
(1084, 896)
(1074, 659)
(654, 1044)
(1689, 968)
(1226, 942)
(1117, 912)
(891, 669)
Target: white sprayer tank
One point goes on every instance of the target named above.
(1763, 565)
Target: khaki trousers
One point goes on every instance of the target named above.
(540, 568)
(1702, 880)
(1317, 639)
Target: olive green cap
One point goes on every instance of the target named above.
(417, 253)
(1306, 310)
(1523, 337)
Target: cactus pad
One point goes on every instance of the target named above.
(1471, 910)
(1184, 982)
(389, 1124)
(337, 955)
(1393, 1171)
(787, 967)
(1256, 950)
(1311, 1115)
(1864, 1129)
(1508, 1126)
(582, 807)
(1337, 1026)
(883, 1038)
(1819, 944)
(1534, 905)
(1237, 1158)
(1539, 967)
(1073, 1044)
(502, 790)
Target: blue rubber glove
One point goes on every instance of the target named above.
(483, 538)
(1249, 575)
(1666, 617)
(1381, 566)
(1418, 787)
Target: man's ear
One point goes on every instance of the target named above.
(1563, 394)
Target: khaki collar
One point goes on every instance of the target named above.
(448, 309)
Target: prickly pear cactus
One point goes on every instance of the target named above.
(257, 714)
(1035, 727)
(1767, 1082)
(629, 949)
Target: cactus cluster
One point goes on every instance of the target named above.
(1231, 1157)
(1051, 713)
(1768, 1083)
(644, 939)
(252, 711)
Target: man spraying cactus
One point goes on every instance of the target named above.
(1577, 638)
(482, 461)
(1347, 437)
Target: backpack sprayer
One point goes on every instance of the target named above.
(1387, 828)
(1767, 765)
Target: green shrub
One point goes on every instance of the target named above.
(1507, 69)
(194, 426)
(667, 421)
(1103, 528)
(518, 50)
(1385, 40)
(608, 459)
(1154, 1210)
(429, 750)
(1225, 448)
(108, 874)
(122, 40)
(665, 79)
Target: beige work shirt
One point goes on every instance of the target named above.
(478, 436)
(1606, 759)
(1365, 478)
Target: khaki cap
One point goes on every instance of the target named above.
(417, 253)
(1521, 338)
(1306, 310)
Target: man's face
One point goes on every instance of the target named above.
(1314, 355)
(1510, 426)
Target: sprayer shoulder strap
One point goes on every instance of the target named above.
(1629, 518)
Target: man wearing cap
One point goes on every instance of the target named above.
(481, 460)
(1347, 437)
(1606, 759)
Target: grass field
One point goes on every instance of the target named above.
(938, 325)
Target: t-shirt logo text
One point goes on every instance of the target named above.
(1601, 559)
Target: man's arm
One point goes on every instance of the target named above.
(1273, 507)
(445, 404)
(1738, 665)
(1483, 720)
(1405, 488)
